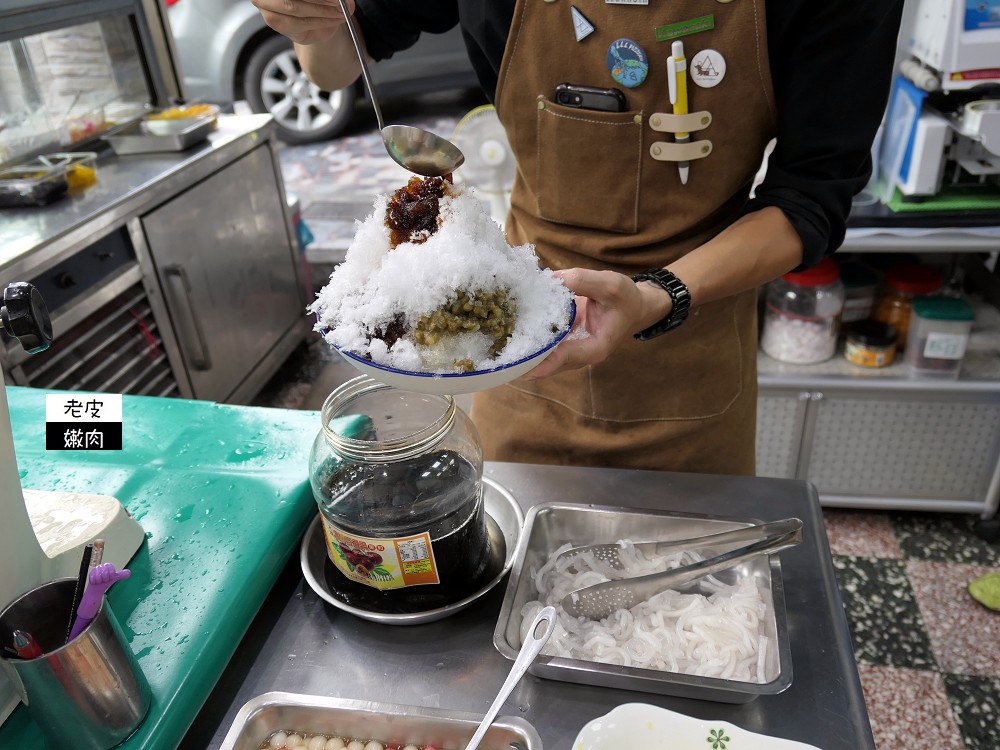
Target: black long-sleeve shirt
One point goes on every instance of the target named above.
(831, 66)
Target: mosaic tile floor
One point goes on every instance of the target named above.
(927, 653)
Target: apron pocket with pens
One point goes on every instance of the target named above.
(573, 148)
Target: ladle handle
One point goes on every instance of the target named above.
(531, 647)
(349, 20)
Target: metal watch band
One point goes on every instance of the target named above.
(678, 292)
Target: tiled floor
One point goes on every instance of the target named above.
(928, 654)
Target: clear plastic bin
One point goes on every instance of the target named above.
(32, 186)
(81, 166)
(938, 336)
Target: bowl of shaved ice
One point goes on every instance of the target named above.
(431, 298)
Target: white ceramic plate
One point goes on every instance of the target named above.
(639, 726)
(455, 384)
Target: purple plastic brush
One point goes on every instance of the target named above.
(101, 579)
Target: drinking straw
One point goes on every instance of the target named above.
(81, 584)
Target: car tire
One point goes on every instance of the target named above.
(274, 83)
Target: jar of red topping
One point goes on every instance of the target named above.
(902, 285)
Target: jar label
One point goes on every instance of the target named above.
(856, 309)
(866, 356)
(382, 563)
(945, 346)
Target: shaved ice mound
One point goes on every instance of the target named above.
(429, 284)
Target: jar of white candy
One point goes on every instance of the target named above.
(802, 315)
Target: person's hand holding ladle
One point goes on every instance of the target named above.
(415, 149)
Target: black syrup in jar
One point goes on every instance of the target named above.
(443, 493)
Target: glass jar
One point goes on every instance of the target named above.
(802, 313)
(870, 344)
(902, 285)
(860, 284)
(397, 476)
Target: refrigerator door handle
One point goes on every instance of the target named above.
(180, 288)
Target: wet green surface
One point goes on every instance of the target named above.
(223, 495)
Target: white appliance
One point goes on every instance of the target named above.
(42, 534)
(948, 122)
(956, 43)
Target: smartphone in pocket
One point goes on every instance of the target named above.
(589, 97)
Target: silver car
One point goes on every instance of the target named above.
(227, 53)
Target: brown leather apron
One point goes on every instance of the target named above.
(589, 193)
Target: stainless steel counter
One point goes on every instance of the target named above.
(33, 238)
(166, 236)
(298, 643)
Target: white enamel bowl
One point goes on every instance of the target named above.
(639, 726)
(456, 384)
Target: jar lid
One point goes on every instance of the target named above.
(914, 279)
(943, 308)
(873, 333)
(857, 275)
(825, 272)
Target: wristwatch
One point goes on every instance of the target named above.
(678, 292)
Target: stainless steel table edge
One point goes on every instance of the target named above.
(300, 644)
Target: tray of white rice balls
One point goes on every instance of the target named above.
(291, 721)
(431, 298)
(723, 637)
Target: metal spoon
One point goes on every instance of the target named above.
(410, 147)
(533, 643)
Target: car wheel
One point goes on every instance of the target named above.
(303, 112)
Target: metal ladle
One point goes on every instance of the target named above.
(533, 643)
(410, 147)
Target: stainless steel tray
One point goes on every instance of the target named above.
(176, 135)
(389, 724)
(548, 526)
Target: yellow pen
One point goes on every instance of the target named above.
(677, 81)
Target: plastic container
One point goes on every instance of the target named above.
(80, 166)
(870, 344)
(938, 336)
(397, 476)
(802, 314)
(83, 126)
(860, 285)
(32, 186)
(902, 285)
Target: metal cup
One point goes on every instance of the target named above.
(88, 693)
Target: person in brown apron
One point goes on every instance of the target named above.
(605, 191)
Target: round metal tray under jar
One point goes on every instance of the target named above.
(504, 520)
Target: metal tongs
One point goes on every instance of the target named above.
(604, 599)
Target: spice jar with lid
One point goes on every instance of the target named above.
(802, 314)
(870, 344)
(860, 283)
(397, 476)
(902, 285)
(938, 337)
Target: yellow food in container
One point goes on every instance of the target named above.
(187, 112)
(81, 167)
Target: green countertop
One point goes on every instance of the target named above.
(223, 495)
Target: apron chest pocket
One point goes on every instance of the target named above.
(599, 154)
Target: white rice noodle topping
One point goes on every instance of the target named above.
(718, 635)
